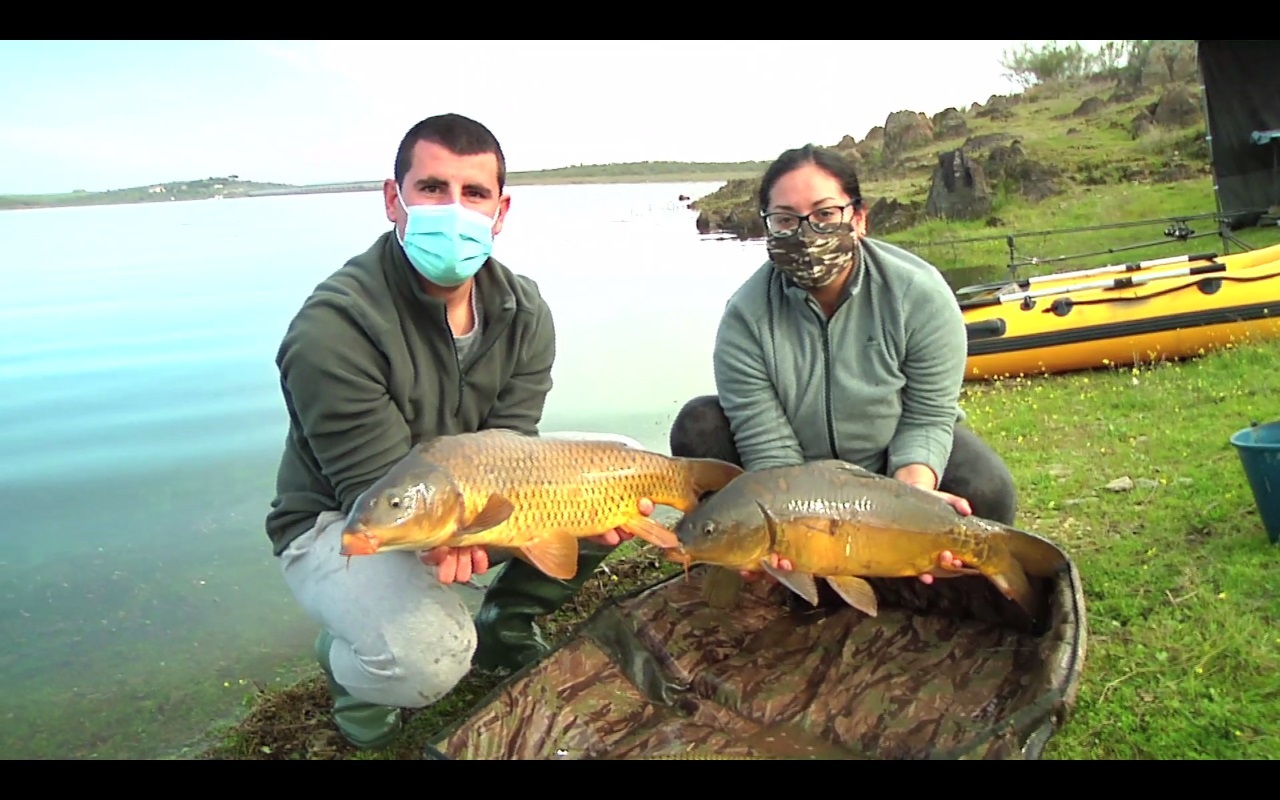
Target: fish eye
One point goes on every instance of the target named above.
(708, 528)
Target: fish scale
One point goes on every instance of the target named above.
(608, 480)
(839, 522)
(534, 495)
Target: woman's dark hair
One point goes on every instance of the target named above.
(826, 159)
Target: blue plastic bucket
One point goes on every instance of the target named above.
(1259, 450)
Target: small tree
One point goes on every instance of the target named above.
(1050, 63)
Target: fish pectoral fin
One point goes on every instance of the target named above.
(856, 592)
(801, 583)
(720, 587)
(494, 513)
(1012, 582)
(556, 554)
(652, 532)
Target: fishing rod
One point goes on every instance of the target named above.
(1110, 283)
(1181, 233)
(1128, 266)
(1179, 230)
(1008, 237)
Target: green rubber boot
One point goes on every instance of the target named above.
(364, 725)
(506, 636)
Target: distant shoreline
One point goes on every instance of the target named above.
(232, 187)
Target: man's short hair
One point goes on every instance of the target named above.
(456, 133)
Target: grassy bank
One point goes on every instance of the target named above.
(231, 187)
(1184, 619)
(293, 723)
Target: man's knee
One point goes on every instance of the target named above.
(701, 430)
(978, 474)
(412, 665)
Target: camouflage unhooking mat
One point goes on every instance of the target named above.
(950, 670)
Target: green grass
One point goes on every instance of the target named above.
(1180, 580)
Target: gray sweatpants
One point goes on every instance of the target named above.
(401, 638)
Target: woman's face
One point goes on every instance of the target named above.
(809, 188)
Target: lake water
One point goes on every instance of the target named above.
(141, 423)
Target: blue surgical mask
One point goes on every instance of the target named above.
(446, 243)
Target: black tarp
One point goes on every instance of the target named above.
(1242, 96)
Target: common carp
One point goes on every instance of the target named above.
(839, 522)
(535, 496)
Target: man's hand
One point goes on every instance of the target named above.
(617, 536)
(456, 563)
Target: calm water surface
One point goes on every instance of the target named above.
(141, 423)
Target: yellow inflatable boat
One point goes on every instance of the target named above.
(1122, 314)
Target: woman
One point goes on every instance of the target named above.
(843, 346)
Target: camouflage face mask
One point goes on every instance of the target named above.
(811, 259)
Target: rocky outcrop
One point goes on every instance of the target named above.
(905, 130)
(1178, 107)
(1090, 106)
(912, 170)
(1008, 165)
(888, 215)
(948, 124)
(959, 189)
(998, 106)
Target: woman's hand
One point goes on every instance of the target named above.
(946, 563)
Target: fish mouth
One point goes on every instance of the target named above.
(358, 544)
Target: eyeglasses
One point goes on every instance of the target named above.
(821, 220)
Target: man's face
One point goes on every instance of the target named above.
(439, 176)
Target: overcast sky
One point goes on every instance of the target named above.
(99, 115)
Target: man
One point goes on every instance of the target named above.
(424, 334)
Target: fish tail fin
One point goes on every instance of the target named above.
(1037, 555)
(708, 475)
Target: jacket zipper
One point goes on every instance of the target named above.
(826, 381)
(491, 334)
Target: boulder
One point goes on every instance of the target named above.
(1090, 106)
(904, 130)
(949, 123)
(959, 190)
(1178, 107)
(1010, 166)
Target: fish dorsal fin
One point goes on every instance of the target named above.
(494, 513)
(555, 553)
(770, 524)
(799, 582)
(856, 592)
